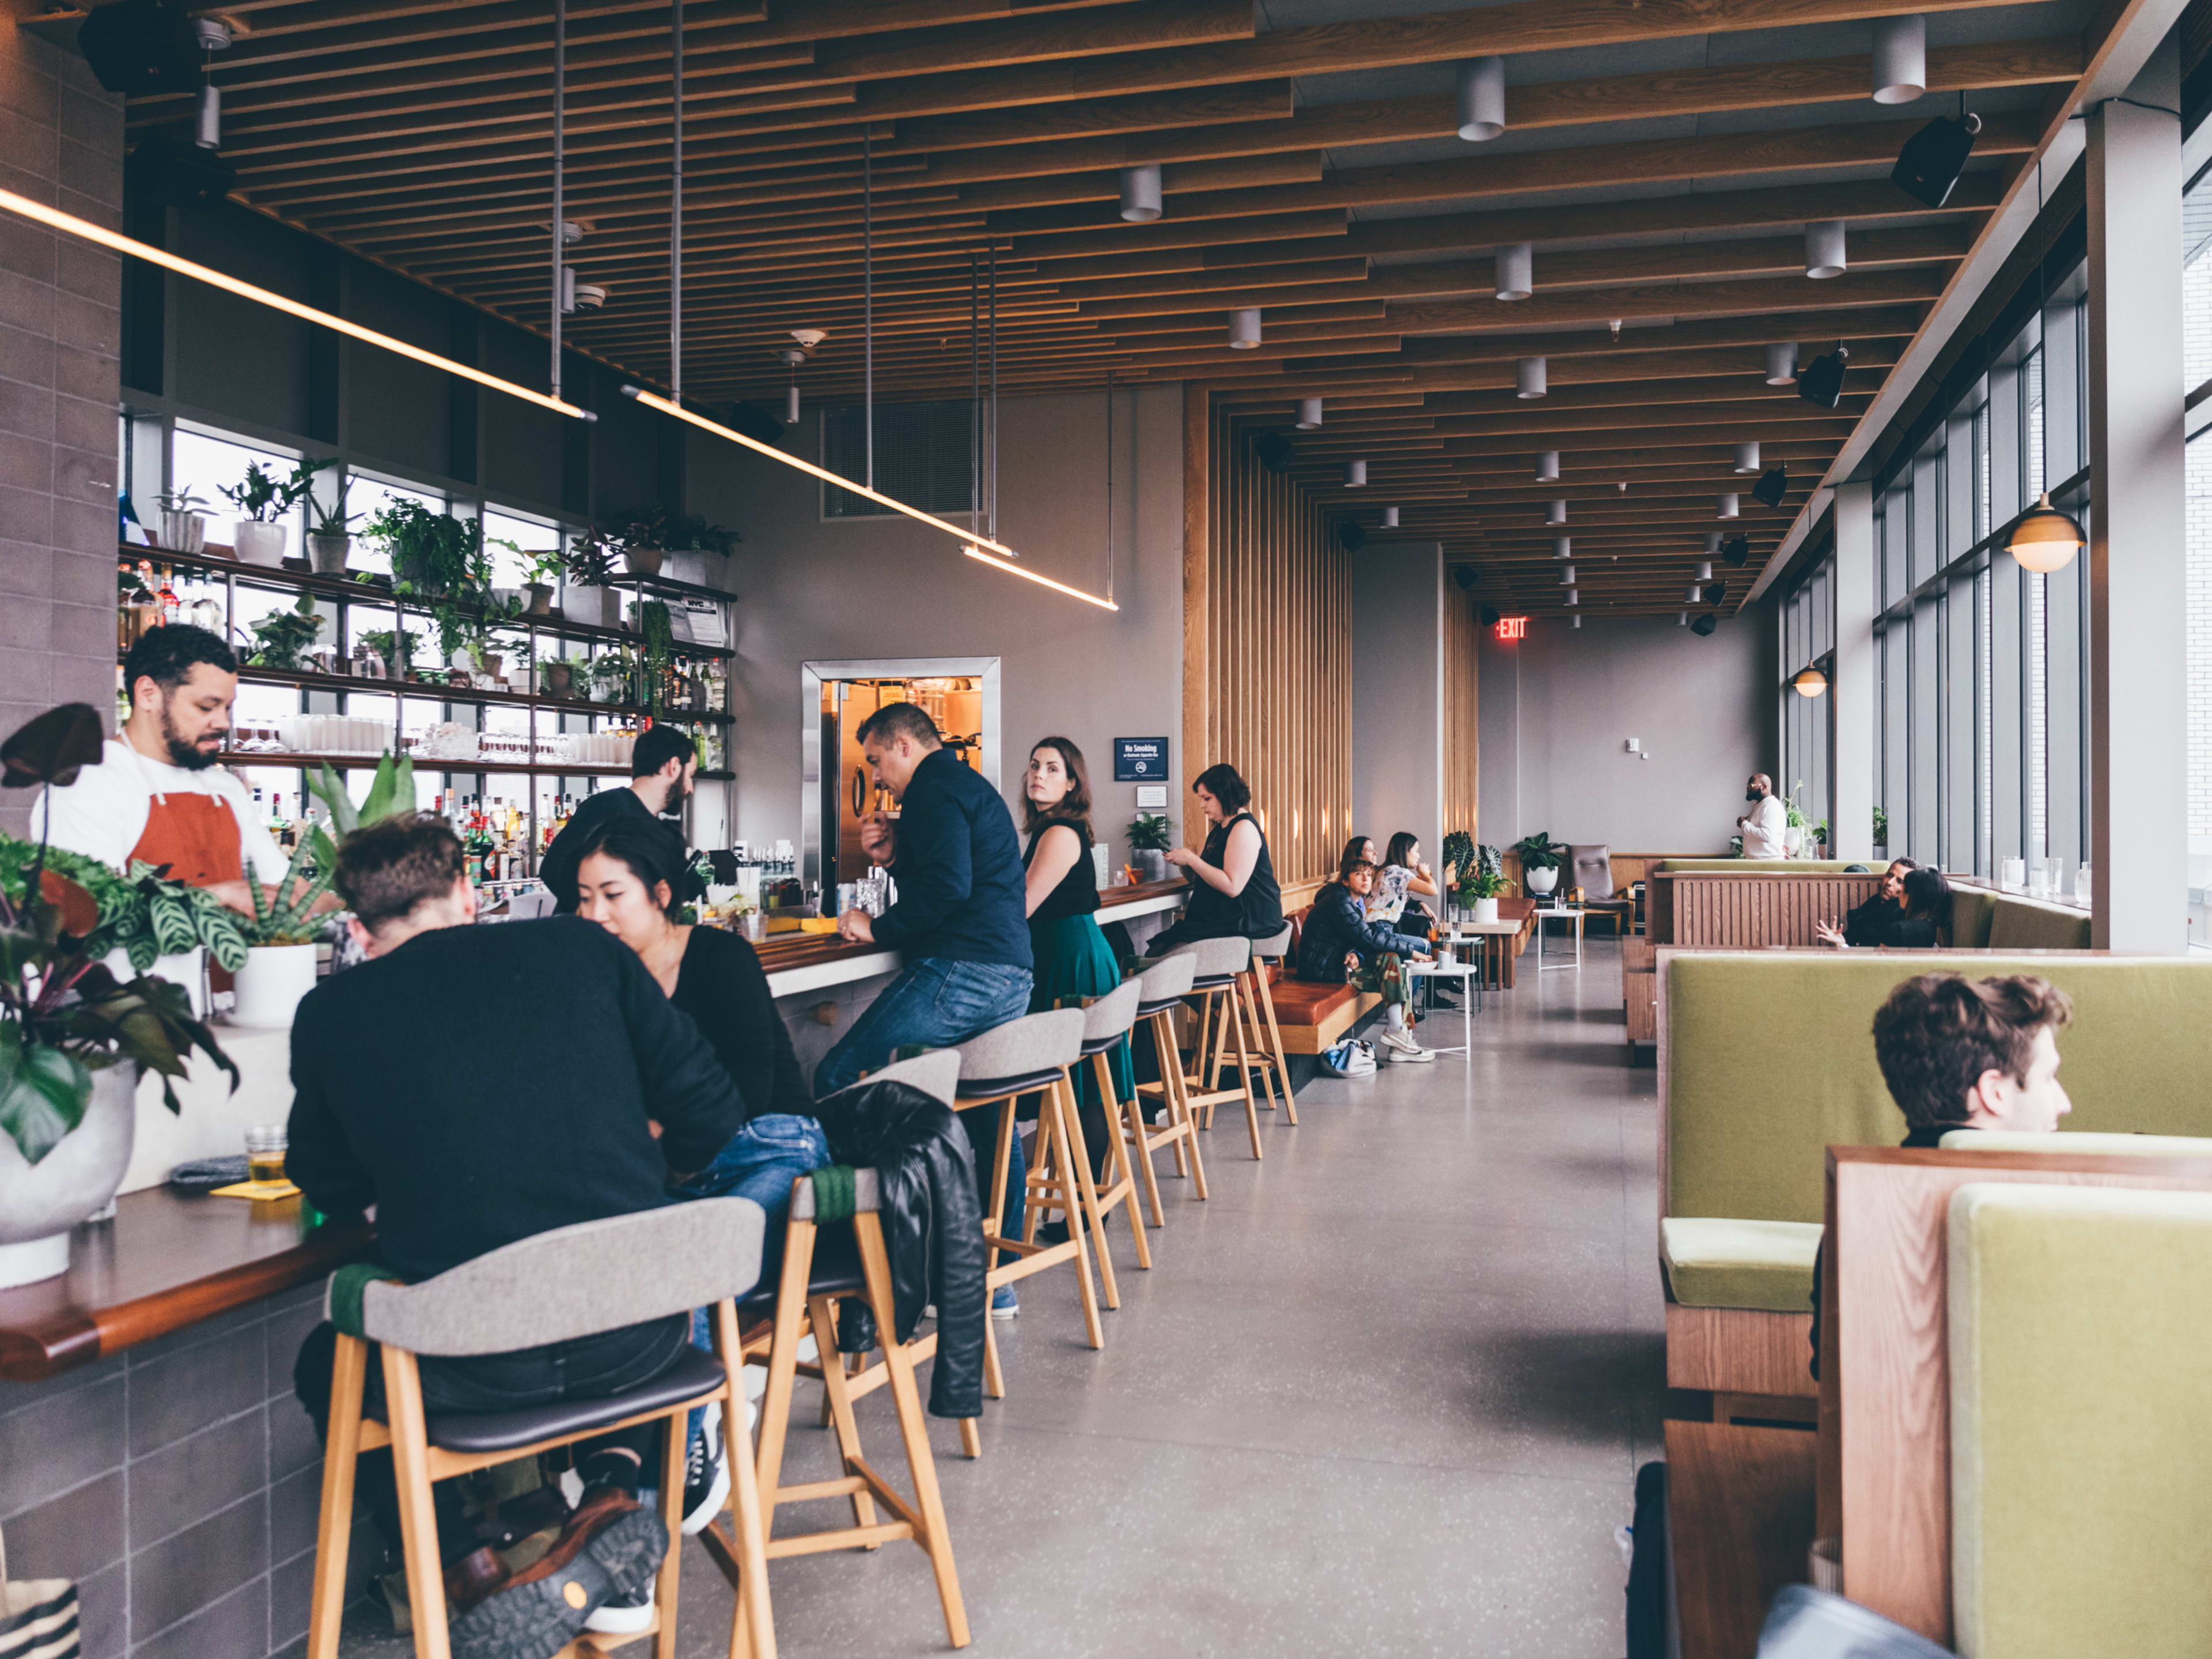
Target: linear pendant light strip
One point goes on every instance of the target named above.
(971, 543)
(54, 219)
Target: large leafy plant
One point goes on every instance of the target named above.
(439, 559)
(1459, 853)
(63, 1014)
(281, 635)
(265, 497)
(288, 918)
(142, 913)
(1152, 832)
(656, 525)
(1540, 852)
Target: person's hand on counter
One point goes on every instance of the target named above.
(855, 926)
(1182, 858)
(878, 839)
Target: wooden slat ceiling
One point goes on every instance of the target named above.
(1663, 155)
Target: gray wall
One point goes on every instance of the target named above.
(61, 141)
(1397, 695)
(1557, 706)
(811, 590)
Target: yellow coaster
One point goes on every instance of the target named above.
(256, 1190)
(817, 924)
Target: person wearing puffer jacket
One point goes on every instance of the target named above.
(1338, 945)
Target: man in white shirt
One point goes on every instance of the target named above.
(157, 793)
(1765, 826)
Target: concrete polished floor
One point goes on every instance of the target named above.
(1385, 1393)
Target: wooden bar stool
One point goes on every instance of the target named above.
(580, 1281)
(1106, 1026)
(1217, 964)
(1258, 1004)
(819, 1269)
(1161, 988)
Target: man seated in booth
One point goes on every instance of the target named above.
(1868, 924)
(1338, 945)
(1968, 1053)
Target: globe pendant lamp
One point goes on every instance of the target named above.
(2045, 539)
(1809, 683)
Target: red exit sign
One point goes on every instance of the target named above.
(1512, 627)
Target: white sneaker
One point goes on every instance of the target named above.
(624, 1615)
(1404, 1051)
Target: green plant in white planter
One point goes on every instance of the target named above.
(73, 1036)
(1541, 858)
(265, 499)
(1151, 834)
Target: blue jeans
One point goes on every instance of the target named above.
(934, 1003)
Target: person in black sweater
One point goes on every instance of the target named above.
(1233, 891)
(1338, 945)
(663, 764)
(1868, 924)
(960, 920)
(480, 1085)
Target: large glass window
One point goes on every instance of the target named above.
(2197, 371)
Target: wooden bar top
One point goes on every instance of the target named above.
(781, 952)
(164, 1262)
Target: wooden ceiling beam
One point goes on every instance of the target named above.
(1718, 435)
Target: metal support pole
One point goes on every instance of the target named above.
(868, 306)
(994, 391)
(560, 250)
(676, 207)
(974, 399)
(1109, 484)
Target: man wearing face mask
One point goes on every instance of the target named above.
(1765, 825)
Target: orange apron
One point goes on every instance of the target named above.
(197, 836)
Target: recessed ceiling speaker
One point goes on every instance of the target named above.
(1244, 329)
(1781, 362)
(1730, 506)
(1309, 413)
(1547, 467)
(1704, 625)
(1352, 536)
(1273, 450)
(1516, 264)
(1389, 518)
(1529, 379)
(1824, 254)
(1822, 382)
(1715, 592)
(1355, 475)
(1934, 157)
(141, 46)
(1555, 511)
(1746, 457)
(1481, 98)
(1736, 550)
(170, 172)
(1900, 60)
(1140, 193)
(1772, 486)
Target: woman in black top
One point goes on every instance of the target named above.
(1233, 892)
(1072, 960)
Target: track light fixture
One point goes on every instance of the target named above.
(1515, 278)
(1736, 551)
(1746, 457)
(1555, 511)
(1244, 329)
(1900, 60)
(1389, 518)
(1547, 467)
(1822, 381)
(1529, 378)
(1481, 98)
(1934, 157)
(1772, 486)
(1824, 254)
(1140, 193)
(2044, 540)
(1574, 596)
(1309, 413)
(1566, 575)
(1781, 362)
(1704, 625)
(1355, 475)
(1731, 507)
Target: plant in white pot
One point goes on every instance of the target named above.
(592, 597)
(1540, 859)
(73, 1037)
(648, 535)
(1478, 891)
(265, 499)
(1151, 834)
(180, 523)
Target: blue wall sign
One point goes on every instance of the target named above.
(1139, 760)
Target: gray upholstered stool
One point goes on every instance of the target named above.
(1106, 1026)
(1259, 1007)
(1031, 1056)
(1161, 987)
(559, 1285)
(1219, 963)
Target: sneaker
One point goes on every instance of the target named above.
(626, 1614)
(706, 1479)
(1404, 1050)
(610, 1548)
(1005, 1304)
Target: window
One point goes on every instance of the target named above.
(923, 457)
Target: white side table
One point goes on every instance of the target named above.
(1469, 976)
(1542, 915)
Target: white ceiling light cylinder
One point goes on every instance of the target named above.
(1746, 457)
(1309, 413)
(1712, 543)
(1529, 378)
(1140, 193)
(1728, 506)
(207, 131)
(1555, 511)
(1566, 575)
(1682, 619)
(1244, 329)
(1782, 363)
(791, 405)
(1547, 467)
(1563, 547)
(1481, 98)
(1389, 518)
(1900, 60)
(1355, 475)
(1516, 267)
(1824, 248)
(1705, 570)
(1575, 621)
(1574, 596)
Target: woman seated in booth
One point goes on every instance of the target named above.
(1340, 947)
(1400, 883)
(1924, 923)
(1233, 892)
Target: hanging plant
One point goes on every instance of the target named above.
(659, 650)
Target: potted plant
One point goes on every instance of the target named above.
(439, 559)
(281, 635)
(264, 499)
(396, 647)
(1794, 823)
(1540, 859)
(647, 535)
(181, 524)
(331, 541)
(657, 652)
(611, 673)
(1479, 890)
(1880, 833)
(589, 562)
(556, 678)
(1151, 834)
(73, 1036)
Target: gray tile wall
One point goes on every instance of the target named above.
(177, 1483)
(61, 142)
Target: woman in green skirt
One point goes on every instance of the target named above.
(1073, 961)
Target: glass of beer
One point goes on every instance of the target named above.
(264, 1152)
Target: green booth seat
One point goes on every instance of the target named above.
(2081, 1145)
(1762, 866)
(1712, 1262)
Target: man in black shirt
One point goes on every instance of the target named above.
(663, 765)
(1868, 924)
(480, 1085)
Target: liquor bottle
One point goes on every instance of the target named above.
(165, 597)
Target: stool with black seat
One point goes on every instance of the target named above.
(557, 1286)
(1161, 987)
(1217, 964)
(1256, 1006)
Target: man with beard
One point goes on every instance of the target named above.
(1766, 825)
(157, 794)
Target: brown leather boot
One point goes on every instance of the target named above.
(472, 1578)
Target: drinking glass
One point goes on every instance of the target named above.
(265, 1145)
(2083, 886)
(2013, 874)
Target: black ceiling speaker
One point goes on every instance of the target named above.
(1464, 575)
(169, 173)
(1704, 625)
(1490, 614)
(1352, 536)
(1273, 450)
(1821, 380)
(1934, 157)
(1736, 550)
(139, 46)
(1715, 592)
(751, 419)
(1773, 485)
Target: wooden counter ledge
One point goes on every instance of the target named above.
(163, 1263)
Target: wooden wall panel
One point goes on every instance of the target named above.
(1749, 911)
(1462, 634)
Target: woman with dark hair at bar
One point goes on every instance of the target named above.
(1233, 892)
(1074, 960)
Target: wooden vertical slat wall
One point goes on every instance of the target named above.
(1749, 911)
(1268, 592)
(1462, 633)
